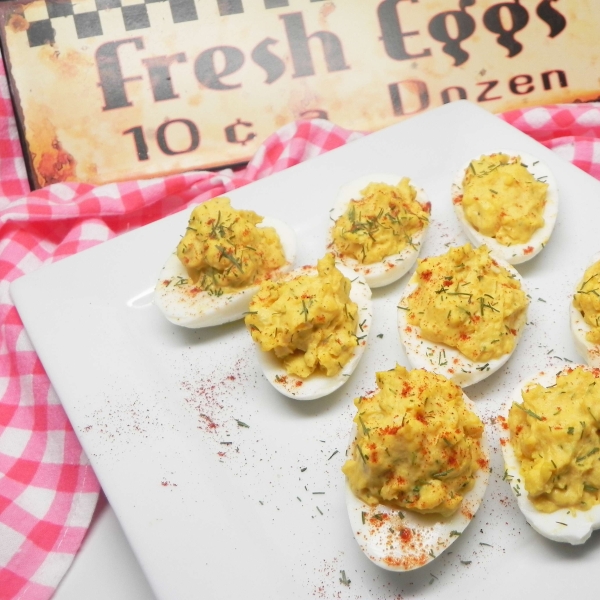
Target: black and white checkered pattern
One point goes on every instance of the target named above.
(88, 24)
(135, 16)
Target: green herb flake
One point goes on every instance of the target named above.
(442, 357)
(181, 281)
(344, 580)
(590, 453)
(361, 454)
(442, 474)
(304, 311)
(232, 259)
(365, 429)
(529, 412)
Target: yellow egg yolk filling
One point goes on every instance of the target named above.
(418, 446)
(309, 322)
(381, 223)
(555, 434)
(587, 302)
(465, 300)
(223, 250)
(501, 199)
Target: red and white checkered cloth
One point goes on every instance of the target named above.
(48, 490)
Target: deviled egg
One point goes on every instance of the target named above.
(219, 264)
(380, 222)
(507, 201)
(462, 314)
(311, 328)
(550, 439)
(418, 468)
(585, 314)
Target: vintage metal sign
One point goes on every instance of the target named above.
(108, 90)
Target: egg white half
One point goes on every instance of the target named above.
(403, 540)
(182, 303)
(318, 384)
(443, 359)
(579, 329)
(517, 253)
(394, 266)
(563, 525)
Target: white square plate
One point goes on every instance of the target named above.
(215, 509)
